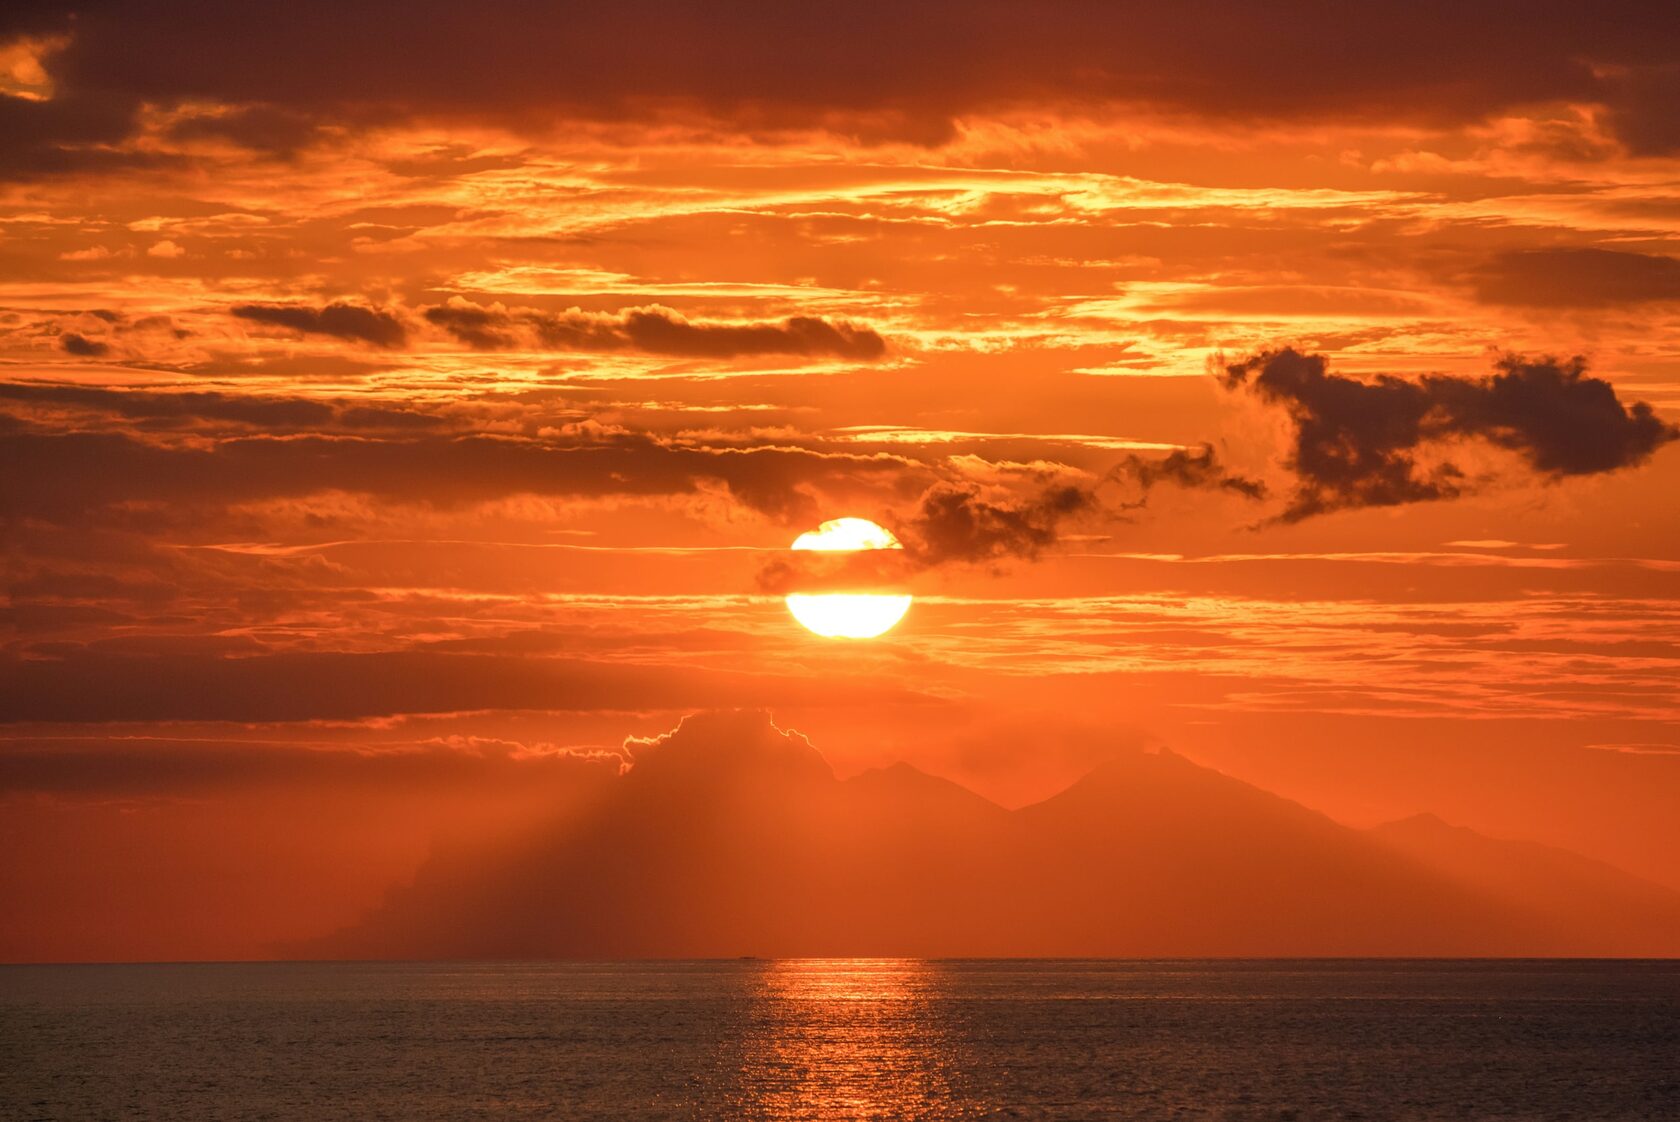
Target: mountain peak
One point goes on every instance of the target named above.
(724, 742)
(730, 833)
(1423, 823)
(905, 782)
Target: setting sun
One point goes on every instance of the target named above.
(848, 615)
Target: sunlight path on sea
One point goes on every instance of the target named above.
(851, 1038)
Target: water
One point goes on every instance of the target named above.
(844, 1039)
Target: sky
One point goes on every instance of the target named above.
(404, 405)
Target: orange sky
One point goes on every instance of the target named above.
(404, 407)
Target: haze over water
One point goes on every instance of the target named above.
(821, 1039)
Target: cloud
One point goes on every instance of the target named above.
(60, 477)
(952, 523)
(1185, 467)
(959, 522)
(262, 128)
(963, 523)
(1576, 278)
(956, 522)
(653, 329)
(155, 767)
(764, 66)
(163, 410)
(83, 686)
(73, 132)
(342, 321)
(1362, 444)
(1642, 105)
(82, 346)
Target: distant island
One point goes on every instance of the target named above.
(729, 833)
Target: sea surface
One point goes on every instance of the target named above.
(844, 1039)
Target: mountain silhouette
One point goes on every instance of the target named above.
(729, 836)
(1569, 896)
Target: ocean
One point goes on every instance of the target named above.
(845, 1039)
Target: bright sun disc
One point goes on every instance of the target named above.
(848, 615)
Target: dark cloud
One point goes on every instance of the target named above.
(327, 685)
(289, 413)
(956, 522)
(655, 330)
(64, 476)
(374, 417)
(953, 523)
(82, 346)
(483, 329)
(904, 71)
(262, 128)
(1363, 443)
(269, 363)
(342, 321)
(1197, 468)
(157, 409)
(959, 522)
(71, 133)
(148, 768)
(1576, 278)
(1642, 106)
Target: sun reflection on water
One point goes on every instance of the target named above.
(851, 1038)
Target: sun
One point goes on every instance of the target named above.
(848, 615)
